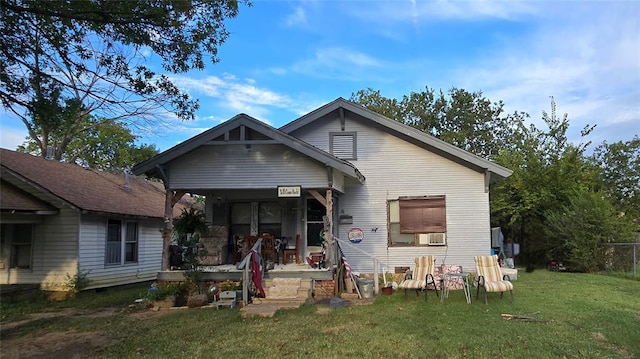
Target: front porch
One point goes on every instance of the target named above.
(286, 286)
(230, 272)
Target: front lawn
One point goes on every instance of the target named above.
(578, 316)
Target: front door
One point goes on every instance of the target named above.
(315, 223)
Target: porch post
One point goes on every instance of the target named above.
(170, 199)
(376, 281)
(168, 228)
(328, 230)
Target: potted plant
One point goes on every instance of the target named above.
(387, 283)
(387, 289)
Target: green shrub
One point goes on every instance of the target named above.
(577, 231)
(77, 282)
(163, 292)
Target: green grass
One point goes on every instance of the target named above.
(582, 316)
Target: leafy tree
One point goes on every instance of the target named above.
(107, 146)
(465, 119)
(620, 164)
(65, 60)
(579, 229)
(548, 173)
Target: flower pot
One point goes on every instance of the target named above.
(387, 290)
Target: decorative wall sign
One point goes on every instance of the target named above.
(356, 235)
(289, 191)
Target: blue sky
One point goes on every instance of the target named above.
(286, 58)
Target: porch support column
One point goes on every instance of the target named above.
(328, 229)
(170, 200)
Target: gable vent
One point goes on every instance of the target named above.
(343, 145)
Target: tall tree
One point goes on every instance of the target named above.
(549, 173)
(108, 146)
(465, 119)
(620, 164)
(65, 60)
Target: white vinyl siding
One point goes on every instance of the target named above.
(93, 251)
(54, 251)
(394, 168)
(57, 254)
(259, 166)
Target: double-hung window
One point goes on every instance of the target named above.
(16, 245)
(417, 221)
(122, 242)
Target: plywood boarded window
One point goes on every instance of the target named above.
(415, 215)
(343, 145)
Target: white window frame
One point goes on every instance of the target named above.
(399, 238)
(116, 250)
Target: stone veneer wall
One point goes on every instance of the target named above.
(216, 244)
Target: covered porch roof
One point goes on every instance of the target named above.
(246, 131)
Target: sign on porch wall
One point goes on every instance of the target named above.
(356, 235)
(289, 191)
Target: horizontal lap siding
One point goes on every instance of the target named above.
(261, 166)
(54, 252)
(394, 168)
(93, 246)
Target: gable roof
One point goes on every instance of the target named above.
(405, 132)
(68, 185)
(221, 132)
(14, 199)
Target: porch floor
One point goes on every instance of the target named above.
(230, 272)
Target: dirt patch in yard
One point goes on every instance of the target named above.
(61, 344)
(54, 345)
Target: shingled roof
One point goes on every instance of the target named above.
(52, 183)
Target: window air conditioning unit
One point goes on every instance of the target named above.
(432, 239)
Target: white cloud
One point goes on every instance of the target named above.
(237, 96)
(298, 17)
(589, 62)
(11, 138)
(390, 13)
(338, 63)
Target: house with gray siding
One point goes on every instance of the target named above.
(59, 220)
(341, 174)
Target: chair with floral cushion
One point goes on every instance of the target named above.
(422, 277)
(490, 278)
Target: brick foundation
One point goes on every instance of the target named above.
(324, 288)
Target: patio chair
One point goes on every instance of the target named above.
(422, 277)
(292, 254)
(490, 278)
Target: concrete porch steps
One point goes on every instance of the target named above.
(281, 293)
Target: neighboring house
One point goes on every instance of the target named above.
(60, 220)
(395, 191)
